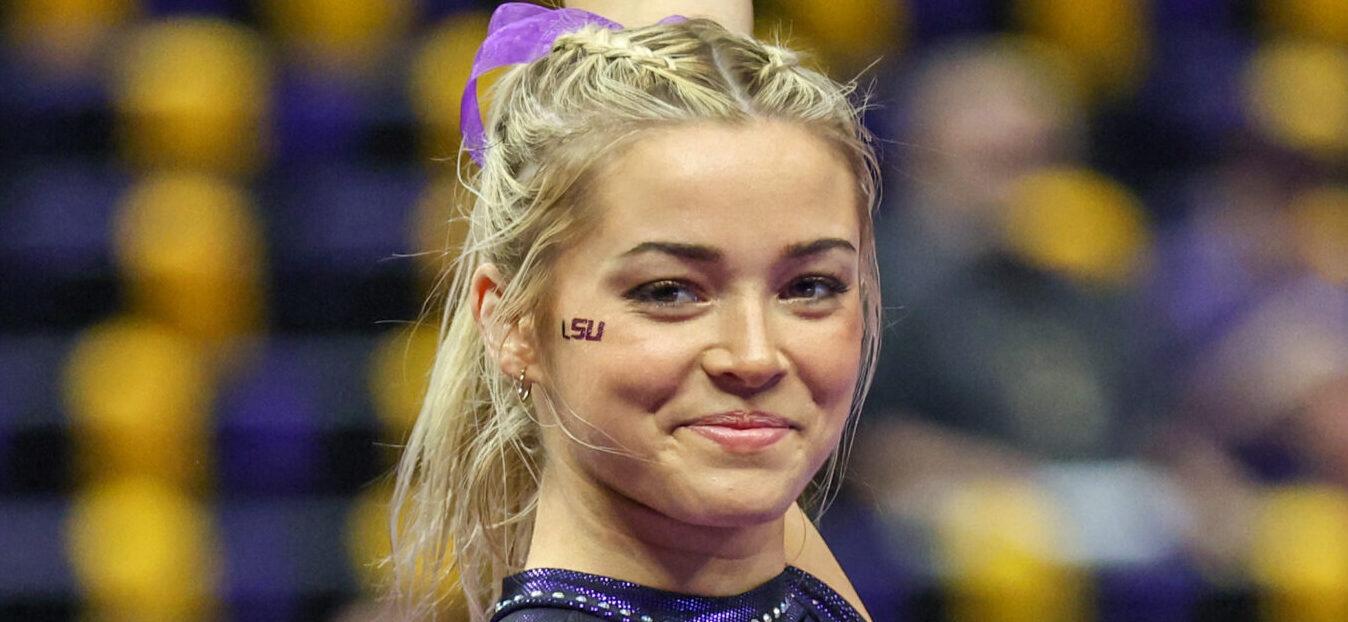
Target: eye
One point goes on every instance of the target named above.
(813, 287)
(664, 294)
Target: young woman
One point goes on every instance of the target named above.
(662, 320)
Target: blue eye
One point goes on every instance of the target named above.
(663, 294)
(814, 287)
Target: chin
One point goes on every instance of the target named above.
(736, 507)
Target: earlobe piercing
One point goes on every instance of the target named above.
(521, 388)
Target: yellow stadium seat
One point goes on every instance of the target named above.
(66, 35)
(190, 249)
(439, 71)
(367, 538)
(999, 542)
(1297, 94)
(1300, 554)
(847, 36)
(1080, 223)
(142, 550)
(399, 371)
(193, 93)
(439, 228)
(343, 35)
(1325, 20)
(138, 396)
(1320, 221)
(1107, 39)
(368, 545)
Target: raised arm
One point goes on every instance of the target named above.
(737, 15)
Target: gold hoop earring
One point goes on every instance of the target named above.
(521, 388)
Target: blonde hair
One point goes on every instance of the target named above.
(468, 481)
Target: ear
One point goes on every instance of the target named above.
(510, 343)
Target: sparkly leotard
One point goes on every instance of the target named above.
(554, 595)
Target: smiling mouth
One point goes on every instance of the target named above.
(744, 420)
(742, 432)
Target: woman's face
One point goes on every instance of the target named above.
(709, 328)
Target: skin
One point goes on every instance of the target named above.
(752, 329)
(805, 547)
(737, 15)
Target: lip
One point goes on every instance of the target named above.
(743, 420)
(741, 431)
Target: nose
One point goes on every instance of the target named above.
(745, 358)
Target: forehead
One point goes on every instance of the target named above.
(762, 184)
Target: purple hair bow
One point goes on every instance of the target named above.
(518, 33)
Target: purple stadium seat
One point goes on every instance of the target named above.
(36, 580)
(55, 99)
(318, 119)
(220, 8)
(297, 420)
(51, 115)
(1186, 16)
(1162, 592)
(433, 10)
(1195, 86)
(345, 218)
(934, 20)
(55, 246)
(285, 559)
(337, 233)
(34, 446)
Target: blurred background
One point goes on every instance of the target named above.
(1114, 239)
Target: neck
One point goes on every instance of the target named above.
(582, 526)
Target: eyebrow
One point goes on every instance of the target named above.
(706, 254)
(805, 249)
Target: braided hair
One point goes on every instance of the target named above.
(468, 481)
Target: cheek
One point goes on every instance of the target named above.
(828, 357)
(635, 367)
(649, 363)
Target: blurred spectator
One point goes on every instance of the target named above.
(1114, 252)
(1013, 341)
(1255, 319)
(1249, 284)
(1007, 276)
(979, 114)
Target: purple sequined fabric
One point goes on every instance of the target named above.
(792, 596)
